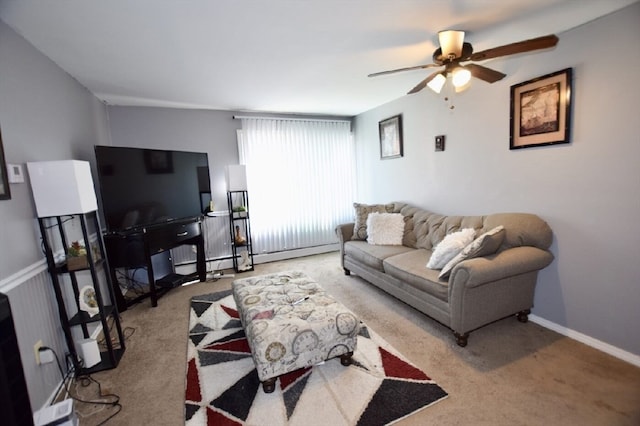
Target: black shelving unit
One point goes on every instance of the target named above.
(240, 228)
(114, 348)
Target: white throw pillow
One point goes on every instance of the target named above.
(385, 229)
(449, 247)
(486, 244)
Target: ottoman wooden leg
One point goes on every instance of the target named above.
(269, 385)
(345, 359)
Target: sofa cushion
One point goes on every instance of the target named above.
(371, 255)
(486, 244)
(449, 247)
(362, 213)
(409, 268)
(385, 229)
(431, 228)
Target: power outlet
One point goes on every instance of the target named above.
(36, 350)
(46, 356)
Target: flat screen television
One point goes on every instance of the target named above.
(143, 187)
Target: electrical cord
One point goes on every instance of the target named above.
(86, 380)
(132, 283)
(65, 377)
(55, 225)
(103, 342)
(62, 223)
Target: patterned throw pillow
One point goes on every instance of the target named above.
(362, 213)
(385, 229)
(449, 247)
(486, 244)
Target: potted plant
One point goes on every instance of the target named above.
(76, 256)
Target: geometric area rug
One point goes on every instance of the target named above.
(222, 387)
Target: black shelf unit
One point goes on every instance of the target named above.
(239, 224)
(114, 348)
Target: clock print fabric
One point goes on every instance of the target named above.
(291, 322)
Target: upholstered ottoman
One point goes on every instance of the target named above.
(292, 323)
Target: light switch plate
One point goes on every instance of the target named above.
(16, 173)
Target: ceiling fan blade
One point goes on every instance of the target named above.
(519, 47)
(484, 73)
(423, 83)
(417, 67)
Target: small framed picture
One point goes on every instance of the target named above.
(440, 143)
(541, 111)
(390, 131)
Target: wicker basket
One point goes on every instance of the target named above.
(77, 262)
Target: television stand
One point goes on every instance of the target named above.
(133, 249)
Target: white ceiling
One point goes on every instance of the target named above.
(304, 56)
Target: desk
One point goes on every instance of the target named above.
(133, 249)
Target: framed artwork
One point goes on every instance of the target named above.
(5, 192)
(390, 131)
(541, 111)
(157, 162)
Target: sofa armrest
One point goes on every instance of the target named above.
(508, 263)
(485, 289)
(345, 232)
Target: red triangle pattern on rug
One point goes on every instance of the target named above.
(222, 386)
(240, 345)
(230, 311)
(395, 367)
(218, 419)
(289, 378)
(193, 383)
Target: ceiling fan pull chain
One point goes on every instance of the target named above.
(448, 96)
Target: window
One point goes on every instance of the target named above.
(301, 178)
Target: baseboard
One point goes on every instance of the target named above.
(588, 340)
(217, 264)
(290, 254)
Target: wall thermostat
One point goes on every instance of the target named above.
(15, 173)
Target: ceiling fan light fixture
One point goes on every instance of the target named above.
(437, 82)
(461, 76)
(462, 88)
(451, 43)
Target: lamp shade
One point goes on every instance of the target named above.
(62, 187)
(461, 76)
(437, 82)
(236, 175)
(451, 43)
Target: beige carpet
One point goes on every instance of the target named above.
(509, 374)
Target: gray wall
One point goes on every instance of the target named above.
(210, 131)
(213, 132)
(44, 115)
(588, 191)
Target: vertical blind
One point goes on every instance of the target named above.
(301, 180)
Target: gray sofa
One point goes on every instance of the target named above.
(478, 290)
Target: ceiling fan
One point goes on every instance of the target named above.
(453, 50)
